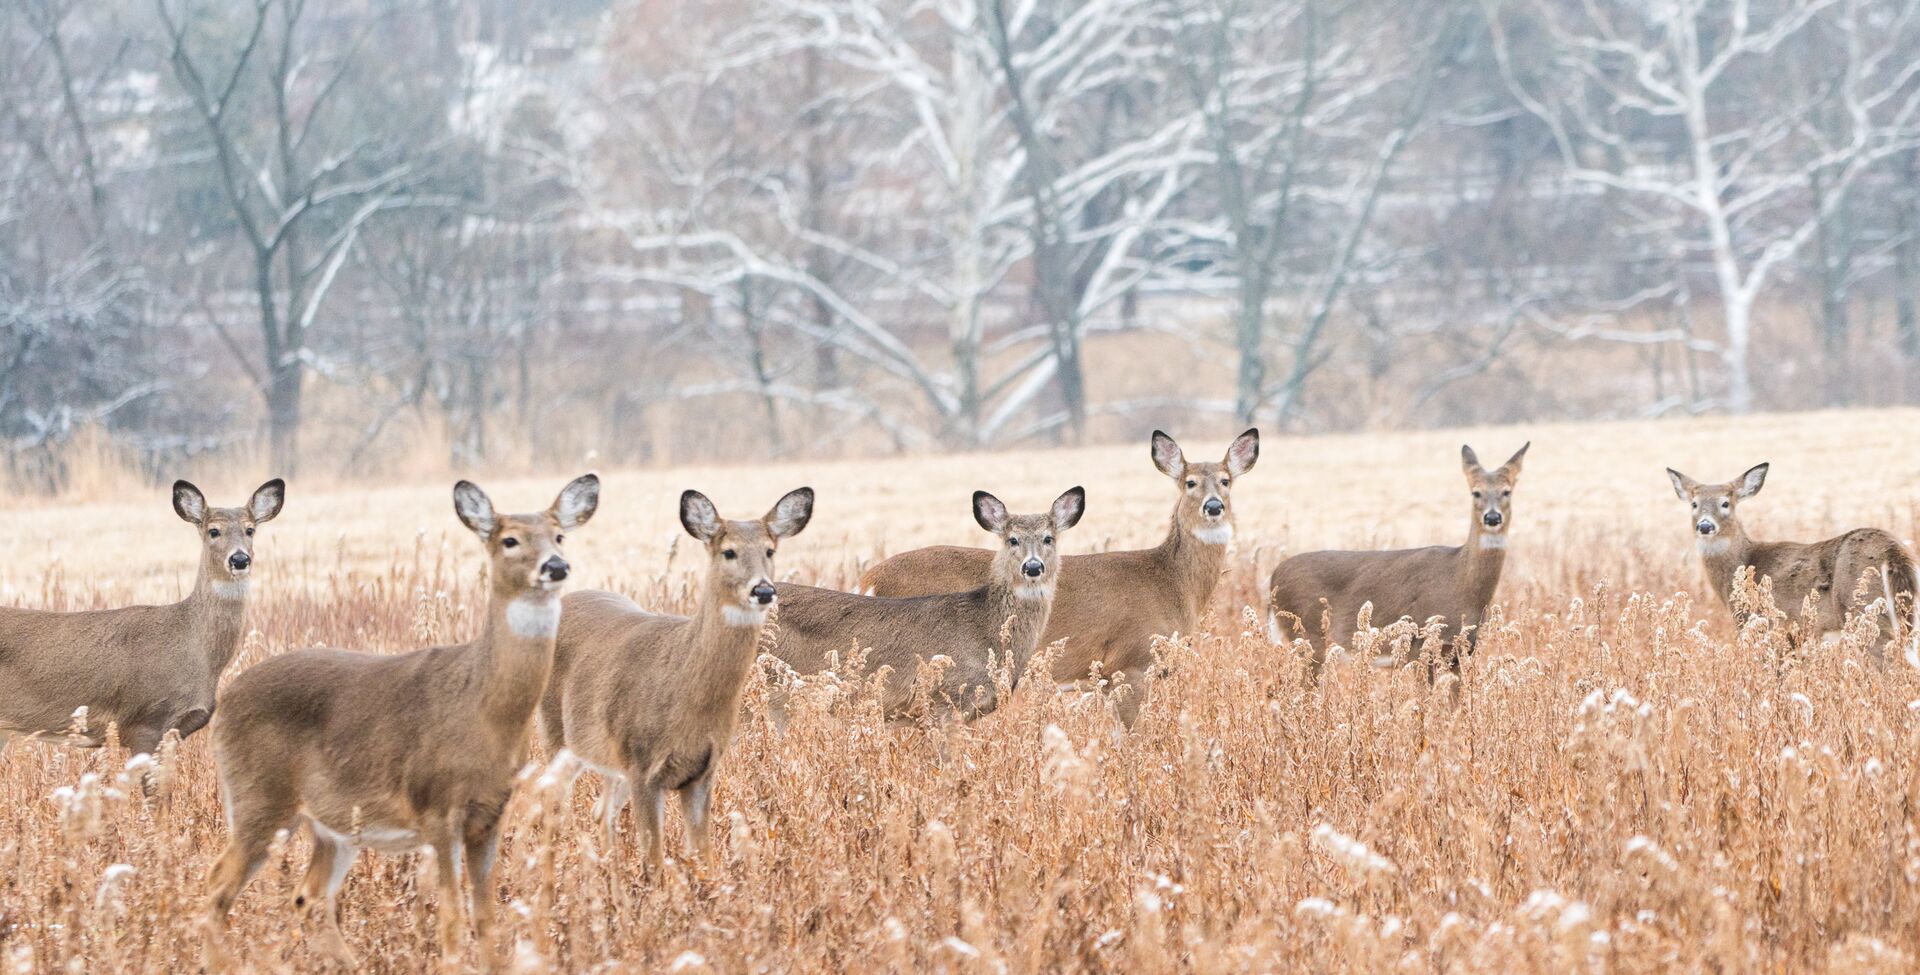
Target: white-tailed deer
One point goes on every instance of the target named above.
(1112, 604)
(146, 669)
(1831, 571)
(650, 701)
(1451, 581)
(398, 752)
(966, 627)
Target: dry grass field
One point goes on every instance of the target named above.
(1620, 782)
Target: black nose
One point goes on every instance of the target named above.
(1214, 507)
(762, 593)
(239, 561)
(1033, 568)
(1492, 519)
(1706, 528)
(554, 569)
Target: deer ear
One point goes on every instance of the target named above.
(474, 508)
(1167, 456)
(189, 503)
(791, 513)
(698, 516)
(577, 502)
(1469, 461)
(1512, 466)
(1751, 481)
(1682, 484)
(1244, 450)
(989, 512)
(1068, 507)
(267, 500)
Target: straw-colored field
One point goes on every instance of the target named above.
(1621, 784)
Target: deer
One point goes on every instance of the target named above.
(1829, 571)
(650, 701)
(1456, 582)
(1111, 605)
(398, 752)
(901, 633)
(142, 670)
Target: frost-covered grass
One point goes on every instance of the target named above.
(1619, 782)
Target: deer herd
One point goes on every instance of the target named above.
(404, 752)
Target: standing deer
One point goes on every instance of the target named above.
(1112, 604)
(1452, 581)
(398, 752)
(966, 627)
(1831, 571)
(650, 701)
(147, 670)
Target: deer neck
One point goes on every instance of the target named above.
(1723, 554)
(1010, 596)
(1193, 565)
(723, 640)
(216, 612)
(1484, 555)
(515, 653)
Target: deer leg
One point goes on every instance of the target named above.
(332, 858)
(482, 849)
(649, 807)
(1130, 691)
(696, 798)
(246, 850)
(447, 850)
(612, 801)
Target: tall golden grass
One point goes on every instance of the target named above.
(1619, 782)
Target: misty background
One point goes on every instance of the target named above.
(359, 236)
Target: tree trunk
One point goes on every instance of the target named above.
(1249, 336)
(1739, 314)
(283, 414)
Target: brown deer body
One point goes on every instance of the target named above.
(1112, 604)
(1456, 582)
(650, 701)
(901, 633)
(146, 669)
(1830, 571)
(398, 752)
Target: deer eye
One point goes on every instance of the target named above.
(509, 543)
(213, 533)
(1506, 494)
(1226, 482)
(1476, 495)
(1047, 540)
(769, 553)
(1013, 542)
(557, 539)
(730, 554)
(249, 531)
(1724, 505)
(1192, 483)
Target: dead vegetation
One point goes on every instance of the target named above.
(1618, 782)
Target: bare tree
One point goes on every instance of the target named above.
(1666, 103)
(300, 183)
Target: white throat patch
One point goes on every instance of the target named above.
(1712, 546)
(1219, 534)
(737, 615)
(1493, 541)
(229, 588)
(1034, 590)
(534, 615)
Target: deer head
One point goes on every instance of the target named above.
(1206, 489)
(1713, 505)
(1026, 555)
(740, 553)
(226, 534)
(1492, 490)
